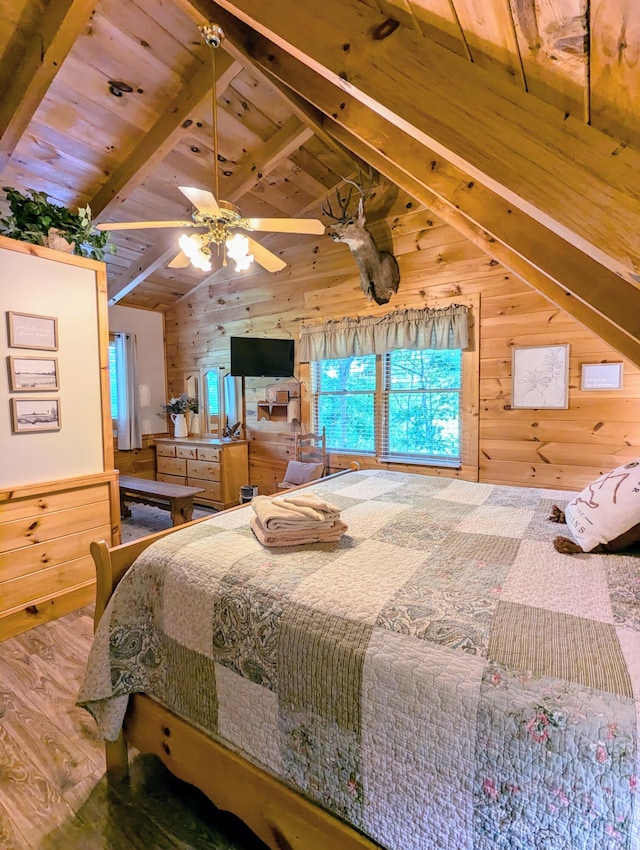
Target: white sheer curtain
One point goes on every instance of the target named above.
(129, 428)
(414, 329)
(232, 400)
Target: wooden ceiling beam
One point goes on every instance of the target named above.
(154, 258)
(27, 73)
(536, 255)
(257, 164)
(162, 137)
(565, 175)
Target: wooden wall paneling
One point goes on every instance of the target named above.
(489, 33)
(437, 20)
(554, 48)
(614, 68)
(510, 313)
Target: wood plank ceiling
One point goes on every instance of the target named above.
(517, 121)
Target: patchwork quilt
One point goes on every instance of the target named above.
(440, 678)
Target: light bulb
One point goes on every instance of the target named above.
(193, 248)
(238, 249)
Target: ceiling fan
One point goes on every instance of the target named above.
(220, 219)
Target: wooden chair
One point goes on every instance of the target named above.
(310, 452)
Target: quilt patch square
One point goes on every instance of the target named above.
(323, 760)
(419, 705)
(244, 631)
(188, 607)
(534, 738)
(543, 578)
(365, 518)
(194, 695)
(623, 578)
(370, 487)
(248, 717)
(360, 582)
(320, 660)
(497, 520)
(420, 526)
(466, 492)
(560, 646)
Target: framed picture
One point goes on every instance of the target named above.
(35, 414)
(601, 376)
(540, 375)
(29, 331)
(33, 374)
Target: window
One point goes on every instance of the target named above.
(113, 378)
(211, 400)
(344, 402)
(403, 406)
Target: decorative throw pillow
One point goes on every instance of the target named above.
(300, 473)
(606, 515)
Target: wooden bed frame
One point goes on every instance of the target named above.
(282, 818)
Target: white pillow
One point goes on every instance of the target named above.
(607, 512)
(299, 472)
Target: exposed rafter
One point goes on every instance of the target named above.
(282, 144)
(154, 258)
(567, 176)
(31, 63)
(162, 137)
(594, 295)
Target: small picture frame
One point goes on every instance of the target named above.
(35, 414)
(540, 376)
(601, 376)
(33, 374)
(27, 330)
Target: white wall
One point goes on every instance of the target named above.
(148, 328)
(46, 287)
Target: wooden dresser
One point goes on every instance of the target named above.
(219, 467)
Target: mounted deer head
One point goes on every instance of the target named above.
(379, 273)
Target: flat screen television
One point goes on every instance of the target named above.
(256, 357)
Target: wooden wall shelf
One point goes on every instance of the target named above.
(274, 412)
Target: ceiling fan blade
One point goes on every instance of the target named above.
(286, 225)
(203, 200)
(267, 259)
(141, 225)
(180, 261)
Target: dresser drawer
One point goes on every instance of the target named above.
(165, 451)
(209, 453)
(203, 469)
(211, 490)
(172, 466)
(186, 452)
(172, 479)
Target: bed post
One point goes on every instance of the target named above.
(116, 752)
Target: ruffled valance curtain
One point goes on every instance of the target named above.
(428, 328)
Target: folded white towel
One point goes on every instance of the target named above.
(310, 506)
(276, 516)
(326, 532)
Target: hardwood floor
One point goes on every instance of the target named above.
(53, 790)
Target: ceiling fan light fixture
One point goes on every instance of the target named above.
(238, 249)
(196, 250)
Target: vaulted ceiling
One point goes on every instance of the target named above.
(516, 121)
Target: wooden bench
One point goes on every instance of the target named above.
(176, 497)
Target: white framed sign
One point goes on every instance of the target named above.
(540, 376)
(601, 376)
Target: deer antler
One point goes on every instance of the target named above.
(364, 188)
(343, 204)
